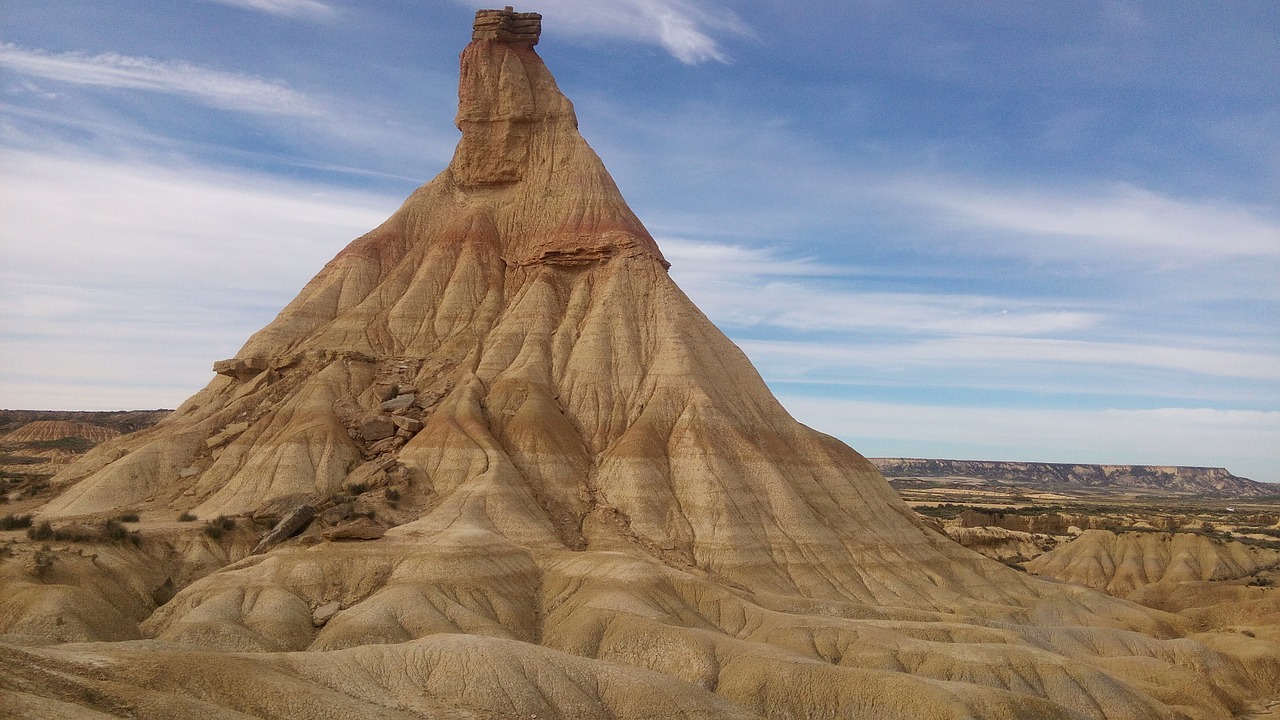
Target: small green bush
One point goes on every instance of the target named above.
(132, 517)
(186, 516)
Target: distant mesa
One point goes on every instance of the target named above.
(1176, 480)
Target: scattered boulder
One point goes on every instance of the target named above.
(337, 514)
(385, 391)
(276, 509)
(240, 368)
(385, 446)
(289, 525)
(368, 475)
(325, 613)
(407, 424)
(376, 427)
(399, 402)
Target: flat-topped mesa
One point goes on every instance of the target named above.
(507, 25)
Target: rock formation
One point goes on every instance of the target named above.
(1121, 563)
(565, 494)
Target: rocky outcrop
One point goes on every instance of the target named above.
(1216, 482)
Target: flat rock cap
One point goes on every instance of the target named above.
(507, 25)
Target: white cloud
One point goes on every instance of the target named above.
(747, 287)
(700, 259)
(997, 351)
(1245, 441)
(1125, 215)
(683, 28)
(231, 91)
(287, 8)
(122, 282)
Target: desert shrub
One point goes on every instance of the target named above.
(15, 522)
(357, 488)
(114, 531)
(946, 511)
(186, 516)
(219, 525)
(1260, 582)
(391, 494)
(128, 517)
(42, 531)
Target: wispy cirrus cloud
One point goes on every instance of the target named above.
(996, 351)
(226, 90)
(761, 287)
(144, 273)
(686, 30)
(1121, 214)
(287, 8)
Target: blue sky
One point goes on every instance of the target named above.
(985, 230)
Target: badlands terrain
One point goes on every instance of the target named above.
(492, 463)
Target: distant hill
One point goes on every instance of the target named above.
(119, 421)
(1217, 482)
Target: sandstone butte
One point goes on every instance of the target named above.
(585, 504)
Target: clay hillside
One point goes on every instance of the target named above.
(1166, 480)
(492, 463)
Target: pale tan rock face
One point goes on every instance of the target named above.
(591, 507)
